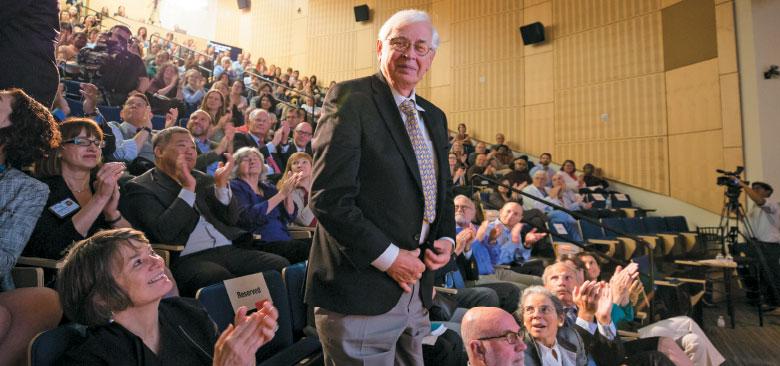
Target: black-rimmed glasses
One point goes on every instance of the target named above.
(80, 141)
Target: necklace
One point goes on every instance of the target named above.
(84, 186)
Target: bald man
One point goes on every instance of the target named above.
(492, 337)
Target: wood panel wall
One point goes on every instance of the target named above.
(597, 91)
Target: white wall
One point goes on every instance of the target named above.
(758, 36)
(194, 16)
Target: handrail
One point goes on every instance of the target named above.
(106, 16)
(266, 79)
(178, 57)
(579, 216)
(155, 35)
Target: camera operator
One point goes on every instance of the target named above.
(123, 72)
(765, 222)
(765, 215)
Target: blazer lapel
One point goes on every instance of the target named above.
(392, 118)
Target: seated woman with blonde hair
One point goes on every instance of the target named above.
(300, 162)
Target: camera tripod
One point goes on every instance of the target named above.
(731, 217)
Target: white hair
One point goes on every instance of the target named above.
(242, 154)
(406, 17)
(257, 111)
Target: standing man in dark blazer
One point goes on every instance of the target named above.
(381, 197)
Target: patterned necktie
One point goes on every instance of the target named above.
(424, 159)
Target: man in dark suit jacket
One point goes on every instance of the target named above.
(258, 126)
(301, 142)
(380, 194)
(174, 204)
(587, 312)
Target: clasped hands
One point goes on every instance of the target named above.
(408, 268)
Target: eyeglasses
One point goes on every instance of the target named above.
(139, 104)
(464, 208)
(303, 133)
(509, 337)
(544, 309)
(402, 44)
(80, 141)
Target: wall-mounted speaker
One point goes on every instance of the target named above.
(361, 13)
(244, 4)
(532, 33)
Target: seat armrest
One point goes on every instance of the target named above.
(628, 335)
(445, 290)
(41, 262)
(611, 244)
(299, 235)
(169, 247)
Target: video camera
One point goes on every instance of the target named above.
(731, 181)
(93, 59)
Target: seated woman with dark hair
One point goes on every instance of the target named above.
(84, 193)
(266, 211)
(27, 133)
(114, 282)
(548, 341)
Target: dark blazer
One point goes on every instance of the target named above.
(605, 352)
(282, 157)
(367, 193)
(568, 339)
(242, 139)
(150, 202)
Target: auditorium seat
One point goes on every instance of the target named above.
(594, 235)
(76, 107)
(158, 122)
(281, 350)
(294, 277)
(47, 347)
(72, 89)
(110, 113)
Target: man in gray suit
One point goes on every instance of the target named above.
(381, 197)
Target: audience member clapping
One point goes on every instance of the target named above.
(115, 283)
(264, 210)
(84, 194)
(175, 204)
(300, 162)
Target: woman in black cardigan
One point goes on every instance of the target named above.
(114, 283)
(83, 194)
